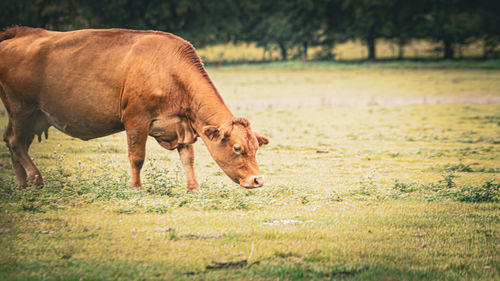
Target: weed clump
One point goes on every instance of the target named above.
(488, 192)
(460, 168)
(466, 168)
(368, 189)
(447, 189)
(334, 196)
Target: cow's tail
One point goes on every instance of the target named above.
(8, 33)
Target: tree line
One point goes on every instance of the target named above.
(283, 24)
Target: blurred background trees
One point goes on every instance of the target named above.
(284, 25)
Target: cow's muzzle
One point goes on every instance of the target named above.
(253, 181)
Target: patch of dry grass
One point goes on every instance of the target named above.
(351, 85)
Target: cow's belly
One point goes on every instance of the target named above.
(92, 118)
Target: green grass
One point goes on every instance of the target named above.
(352, 192)
(350, 65)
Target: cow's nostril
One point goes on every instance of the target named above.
(253, 181)
(258, 181)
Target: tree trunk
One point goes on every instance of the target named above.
(486, 52)
(448, 49)
(304, 54)
(371, 48)
(266, 50)
(305, 46)
(284, 54)
(401, 51)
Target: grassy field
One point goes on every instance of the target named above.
(367, 190)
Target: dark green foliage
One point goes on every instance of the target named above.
(289, 26)
(405, 21)
(451, 22)
(368, 21)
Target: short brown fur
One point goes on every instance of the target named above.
(92, 83)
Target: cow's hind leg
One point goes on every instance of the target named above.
(18, 168)
(25, 169)
(19, 136)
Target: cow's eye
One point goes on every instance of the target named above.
(237, 148)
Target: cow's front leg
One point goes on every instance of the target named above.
(136, 139)
(186, 153)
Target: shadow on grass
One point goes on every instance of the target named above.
(69, 269)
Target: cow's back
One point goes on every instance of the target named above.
(77, 78)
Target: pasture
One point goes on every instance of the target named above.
(373, 173)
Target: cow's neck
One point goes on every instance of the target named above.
(206, 105)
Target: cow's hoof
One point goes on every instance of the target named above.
(137, 185)
(35, 181)
(193, 189)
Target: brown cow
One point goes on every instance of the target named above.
(93, 83)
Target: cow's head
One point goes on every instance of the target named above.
(234, 146)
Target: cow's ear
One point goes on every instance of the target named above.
(261, 139)
(212, 132)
